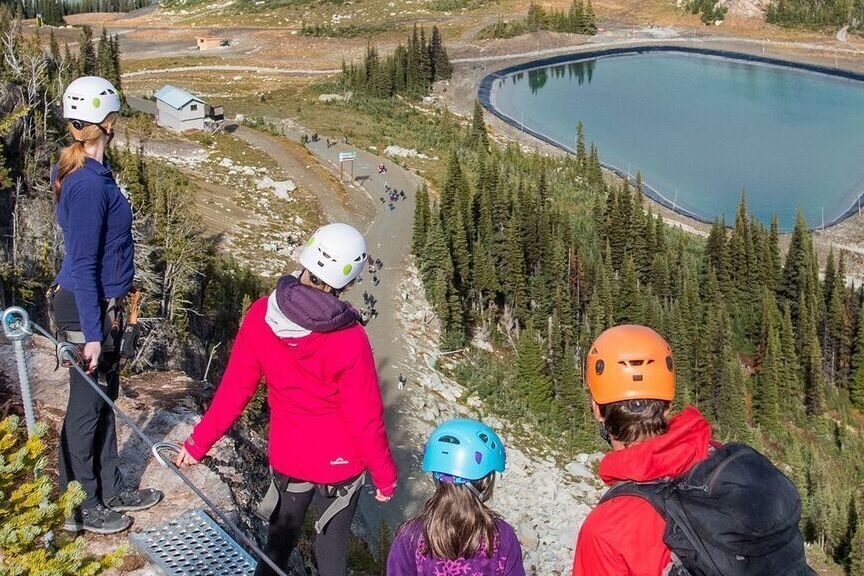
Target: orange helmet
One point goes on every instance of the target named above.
(629, 362)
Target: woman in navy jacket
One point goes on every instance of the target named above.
(87, 297)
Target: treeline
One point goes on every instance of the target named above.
(53, 11)
(193, 297)
(579, 19)
(536, 256)
(817, 14)
(411, 69)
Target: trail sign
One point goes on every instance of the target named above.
(349, 156)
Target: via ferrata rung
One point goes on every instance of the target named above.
(193, 545)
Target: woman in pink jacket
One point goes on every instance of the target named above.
(326, 415)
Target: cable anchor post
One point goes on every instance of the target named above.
(16, 327)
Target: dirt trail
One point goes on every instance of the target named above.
(231, 68)
(388, 235)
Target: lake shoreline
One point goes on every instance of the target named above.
(491, 83)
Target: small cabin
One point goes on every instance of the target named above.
(210, 42)
(179, 110)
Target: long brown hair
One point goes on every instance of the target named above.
(456, 523)
(73, 156)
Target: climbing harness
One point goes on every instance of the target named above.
(342, 492)
(17, 326)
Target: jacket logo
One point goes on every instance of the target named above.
(339, 461)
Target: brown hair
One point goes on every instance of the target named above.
(632, 421)
(73, 156)
(456, 523)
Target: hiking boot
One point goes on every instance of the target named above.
(97, 519)
(133, 500)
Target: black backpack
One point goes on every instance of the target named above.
(733, 514)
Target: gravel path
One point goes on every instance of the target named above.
(232, 68)
(388, 234)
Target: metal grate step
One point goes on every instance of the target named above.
(193, 545)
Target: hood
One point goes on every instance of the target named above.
(670, 454)
(295, 310)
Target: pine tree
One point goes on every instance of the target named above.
(532, 378)
(514, 277)
(814, 393)
(581, 156)
(731, 408)
(794, 278)
(28, 512)
(767, 399)
(856, 386)
(856, 551)
(421, 221)
(54, 48)
(628, 309)
(441, 68)
(478, 127)
(104, 59)
(86, 53)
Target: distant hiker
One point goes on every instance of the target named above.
(401, 381)
(87, 300)
(382, 169)
(402, 194)
(379, 263)
(456, 533)
(391, 206)
(326, 415)
(680, 500)
(314, 137)
(375, 280)
(383, 201)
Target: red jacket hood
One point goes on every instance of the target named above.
(671, 454)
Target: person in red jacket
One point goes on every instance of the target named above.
(631, 376)
(326, 415)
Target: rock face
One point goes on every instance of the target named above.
(545, 502)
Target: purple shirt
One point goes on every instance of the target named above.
(406, 557)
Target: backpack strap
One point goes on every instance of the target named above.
(652, 492)
(657, 494)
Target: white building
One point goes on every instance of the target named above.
(179, 110)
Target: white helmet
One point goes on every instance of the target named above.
(336, 254)
(90, 99)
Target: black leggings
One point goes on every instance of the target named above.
(88, 439)
(286, 525)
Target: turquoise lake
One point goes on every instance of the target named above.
(701, 129)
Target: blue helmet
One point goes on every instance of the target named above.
(463, 450)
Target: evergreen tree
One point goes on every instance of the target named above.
(767, 399)
(731, 408)
(856, 387)
(515, 283)
(628, 309)
(54, 48)
(856, 552)
(104, 58)
(581, 156)
(86, 53)
(478, 127)
(532, 378)
(421, 221)
(441, 67)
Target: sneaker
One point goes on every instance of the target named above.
(133, 500)
(97, 519)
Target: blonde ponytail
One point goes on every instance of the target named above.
(73, 156)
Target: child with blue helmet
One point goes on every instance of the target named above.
(456, 533)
